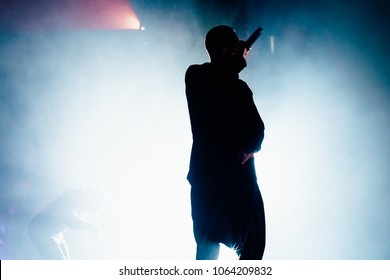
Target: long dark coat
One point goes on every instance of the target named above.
(225, 198)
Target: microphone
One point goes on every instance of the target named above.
(254, 36)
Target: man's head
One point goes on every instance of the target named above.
(219, 40)
(226, 49)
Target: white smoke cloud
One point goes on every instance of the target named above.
(82, 109)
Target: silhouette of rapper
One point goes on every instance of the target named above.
(227, 130)
(69, 211)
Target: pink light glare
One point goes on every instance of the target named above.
(131, 21)
(117, 15)
(57, 15)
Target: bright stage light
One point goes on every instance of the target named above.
(76, 15)
(132, 22)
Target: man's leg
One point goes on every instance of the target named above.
(254, 245)
(207, 251)
(48, 248)
(63, 246)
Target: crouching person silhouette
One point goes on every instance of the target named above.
(69, 211)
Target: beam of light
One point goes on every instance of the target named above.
(272, 44)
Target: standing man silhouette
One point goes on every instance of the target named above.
(227, 130)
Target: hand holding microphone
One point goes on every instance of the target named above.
(243, 47)
(239, 53)
(254, 36)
